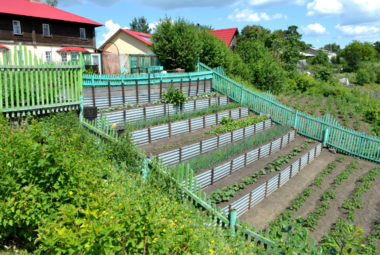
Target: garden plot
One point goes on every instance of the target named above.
(133, 113)
(247, 177)
(319, 197)
(153, 134)
(251, 126)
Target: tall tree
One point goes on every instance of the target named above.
(53, 3)
(333, 47)
(140, 25)
(377, 46)
(291, 52)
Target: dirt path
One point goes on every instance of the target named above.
(268, 209)
(256, 166)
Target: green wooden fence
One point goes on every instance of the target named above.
(28, 85)
(97, 80)
(345, 140)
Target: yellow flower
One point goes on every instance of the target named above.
(212, 241)
(143, 227)
(111, 217)
(164, 230)
(90, 194)
(70, 193)
(211, 251)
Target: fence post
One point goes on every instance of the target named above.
(189, 125)
(93, 96)
(160, 89)
(197, 87)
(189, 86)
(279, 180)
(137, 92)
(148, 88)
(233, 216)
(266, 190)
(250, 200)
(204, 86)
(109, 94)
(231, 166)
(212, 176)
(325, 137)
(295, 119)
(150, 136)
(291, 170)
(180, 86)
(200, 146)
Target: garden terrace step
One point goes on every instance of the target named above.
(176, 156)
(252, 198)
(153, 134)
(134, 114)
(241, 171)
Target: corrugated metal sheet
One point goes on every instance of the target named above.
(210, 144)
(180, 127)
(224, 170)
(152, 112)
(258, 194)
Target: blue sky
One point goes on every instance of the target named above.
(320, 21)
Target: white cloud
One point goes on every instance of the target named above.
(248, 15)
(315, 30)
(112, 29)
(279, 16)
(266, 3)
(317, 40)
(152, 26)
(324, 8)
(350, 12)
(351, 31)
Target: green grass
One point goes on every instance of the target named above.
(144, 123)
(204, 161)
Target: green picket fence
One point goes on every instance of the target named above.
(325, 128)
(28, 85)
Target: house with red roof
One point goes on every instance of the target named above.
(133, 49)
(48, 32)
(228, 35)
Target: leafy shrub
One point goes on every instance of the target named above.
(174, 96)
(363, 76)
(226, 120)
(323, 74)
(321, 58)
(229, 126)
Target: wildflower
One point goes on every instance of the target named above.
(211, 251)
(70, 193)
(111, 217)
(164, 230)
(212, 241)
(144, 228)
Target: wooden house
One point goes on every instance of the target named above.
(53, 35)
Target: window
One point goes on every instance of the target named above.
(46, 29)
(82, 33)
(74, 57)
(64, 56)
(16, 27)
(48, 56)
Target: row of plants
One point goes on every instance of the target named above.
(177, 144)
(144, 123)
(208, 160)
(228, 192)
(297, 203)
(312, 218)
(356, 201)
(228, 124)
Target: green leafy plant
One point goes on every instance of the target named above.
(174, 96)
(229, 125)
(128, 105)
(226, 120)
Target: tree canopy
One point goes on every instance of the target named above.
(333, 47)
(140, 25)
(53, 3)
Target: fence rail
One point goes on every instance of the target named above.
(184, 153)
(324, 128)
(100, 80)
(27, 85)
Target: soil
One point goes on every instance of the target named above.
(181, 140)
(364, 127)
(147, 105)
(267, 210)
(256, 166)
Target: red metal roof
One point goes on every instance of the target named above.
(141, 36)
(73, 49)
(41, 10)
(2, 46)
(225, 34)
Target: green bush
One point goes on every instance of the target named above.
(323, 73)
(363, 76)
(321, 58)
(176, 44)
(174, 96)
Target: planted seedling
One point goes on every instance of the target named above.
(120, 107)
(138, 104)
(341, 158)
(129, 105)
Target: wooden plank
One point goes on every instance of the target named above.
(109, 94)
(197, 87)
(137, 92)
(189, 86)
(148, 88)
(160, 89)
